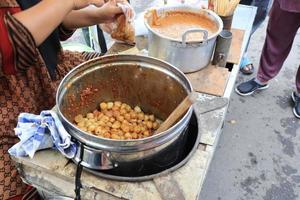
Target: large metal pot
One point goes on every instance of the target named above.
(156, 86)
(186, 56)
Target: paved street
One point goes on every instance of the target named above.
(258, 155)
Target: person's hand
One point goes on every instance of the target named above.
(79, 4)
(109, 11)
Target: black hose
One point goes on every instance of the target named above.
(78, 184)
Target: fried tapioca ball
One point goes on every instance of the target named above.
(78, 118)
(117, 120)
(103, 106)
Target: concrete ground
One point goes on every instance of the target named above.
(257, 156)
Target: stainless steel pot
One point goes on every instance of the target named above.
(156, 86)
(186, 56)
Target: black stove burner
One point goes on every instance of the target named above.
(168, 160)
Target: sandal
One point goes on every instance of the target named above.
(246, 66)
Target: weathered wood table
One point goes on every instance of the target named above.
(53, 174)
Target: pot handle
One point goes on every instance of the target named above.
(104, 161)
(195, 30)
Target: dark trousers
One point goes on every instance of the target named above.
(261, 14)
(262, 11)
(281, 31)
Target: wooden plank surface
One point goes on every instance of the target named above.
(210, 80)
(235, 51)
(117, 48)
(56, 176)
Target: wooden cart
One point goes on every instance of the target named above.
(53, 174)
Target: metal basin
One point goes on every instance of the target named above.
(156, 86)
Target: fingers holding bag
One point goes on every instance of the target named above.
(122, 29)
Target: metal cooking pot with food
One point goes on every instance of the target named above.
(156, 86)
(186, 55)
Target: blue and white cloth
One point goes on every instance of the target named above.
(42, 131)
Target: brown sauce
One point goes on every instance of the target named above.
(175, 23)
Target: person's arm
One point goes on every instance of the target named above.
(92, 15)
(22, 31)
(44, 17)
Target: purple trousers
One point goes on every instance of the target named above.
(281, 31)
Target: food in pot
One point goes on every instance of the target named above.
(174, 24)
(117, 120)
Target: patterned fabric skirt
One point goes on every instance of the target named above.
(31, 91)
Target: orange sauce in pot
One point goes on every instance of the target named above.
(174, 24)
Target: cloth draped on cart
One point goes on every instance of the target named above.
(26, 85)
(43, 131)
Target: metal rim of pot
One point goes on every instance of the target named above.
(131, 146)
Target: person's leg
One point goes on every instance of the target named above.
(246, 66)
(281, 31)
(247, 2)
(262, 11)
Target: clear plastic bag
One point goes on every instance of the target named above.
(122, 30)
